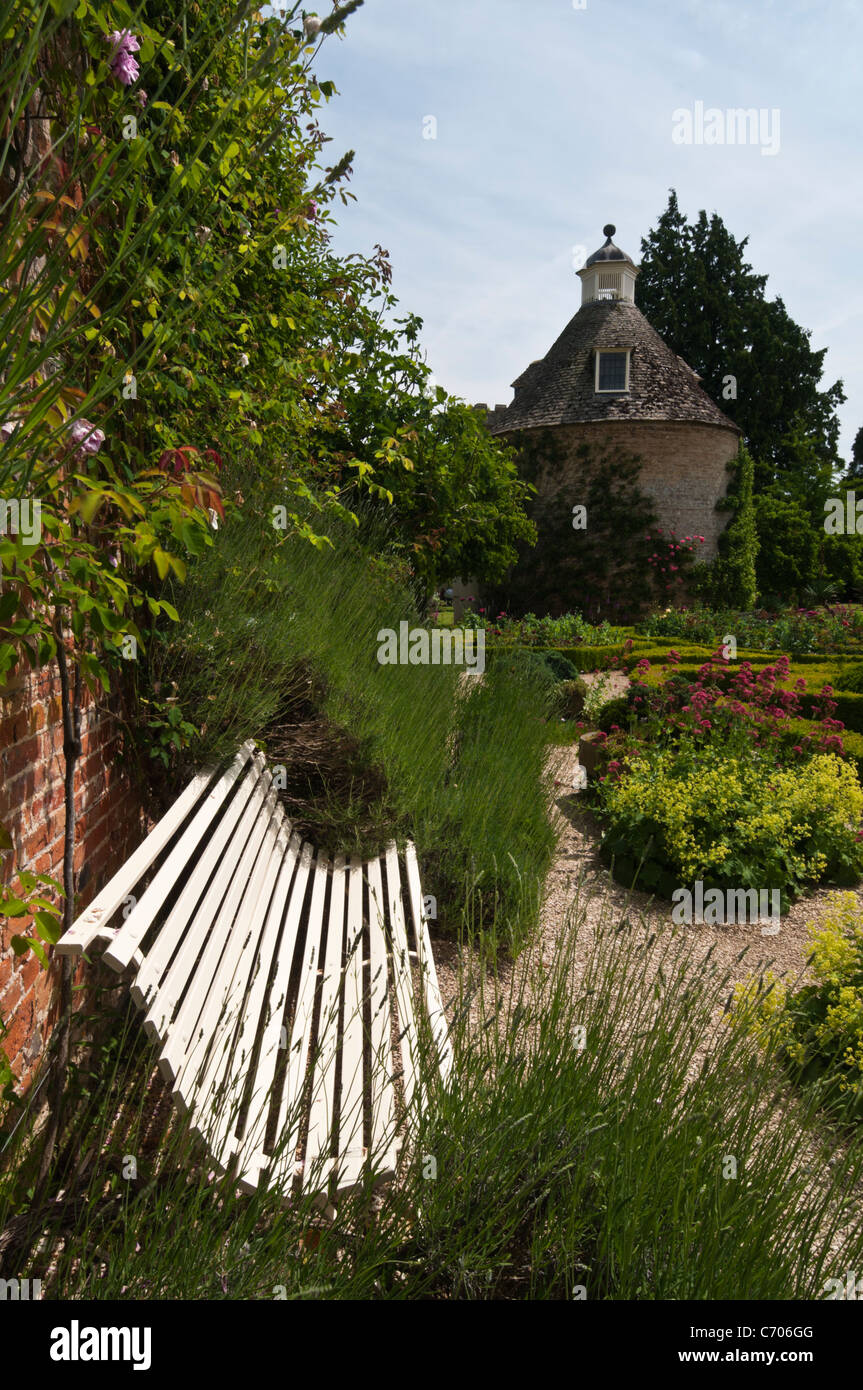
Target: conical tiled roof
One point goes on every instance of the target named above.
(559, 390)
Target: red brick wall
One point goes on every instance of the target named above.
(109, 824)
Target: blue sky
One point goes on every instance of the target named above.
(552, 120)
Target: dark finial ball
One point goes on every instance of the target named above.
(609, 229)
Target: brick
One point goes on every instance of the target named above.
(22, 755)
(108, 824)
(18, 1028)
(29, 970)
(12, 992)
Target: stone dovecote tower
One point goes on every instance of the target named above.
(609, 379)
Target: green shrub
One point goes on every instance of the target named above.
(733, 572)
(818, 1030)
(787, 547)
(793, 631)
(733, 820)
(548, 663)
(614, 711)
(560, 665)
(571, 695)
(850, 677)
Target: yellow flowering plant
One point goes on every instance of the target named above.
(732, 820)
(818, 1030)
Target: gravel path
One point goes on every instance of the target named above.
(579, 884)
(578, 874)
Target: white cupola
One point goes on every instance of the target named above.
(608, 273)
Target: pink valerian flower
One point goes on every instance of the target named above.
(123, 39)
(122, 64)
(86, 437)
(125, 69)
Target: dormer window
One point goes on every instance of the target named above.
(612, 370)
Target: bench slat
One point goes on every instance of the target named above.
(160, 953)
(291, 879)
(92, 923)
(317, 1164)
(288, 1115)
(197, 953)
(200, 1085)
(431, 989)
(141, 918)
(380, 1081)
(252, 1153)
(199, 1016)
(351, 1153)
(179, 1037)
(403, 983)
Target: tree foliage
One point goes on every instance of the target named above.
(733, 576)
(704, 298)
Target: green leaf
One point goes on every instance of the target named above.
(161, 561)
(88, 505)
(50, 926)
(13, 907)
(8, 606)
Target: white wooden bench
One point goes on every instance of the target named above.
(280, 985)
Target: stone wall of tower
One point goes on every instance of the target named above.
(684, 470)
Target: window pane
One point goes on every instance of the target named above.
(612, 371)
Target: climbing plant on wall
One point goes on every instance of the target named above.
(595, 533)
